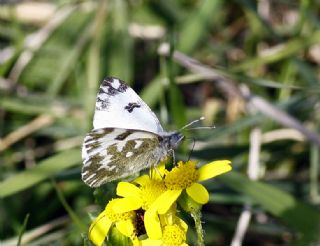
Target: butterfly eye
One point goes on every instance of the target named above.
(175, 139)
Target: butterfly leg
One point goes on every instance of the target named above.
(157, 170)
(154, 166)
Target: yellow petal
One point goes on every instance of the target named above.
(127, 204)
(151, 242)
(126, 189)
(152, 223)
(183, 224)
(165, 201)
(169, 217)
(99, 229)
(142, 180)
(161, 167)
(126, 227)
(198, 193)
(213, 169)
(135, 241)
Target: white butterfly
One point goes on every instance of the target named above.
(126, 137)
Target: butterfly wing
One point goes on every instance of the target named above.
(118, 106)
(113, 153)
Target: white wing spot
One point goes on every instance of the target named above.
(111, 168)
(116, 83)
(129, 154)
(138, 143)
(99, 131)
(120, 145)
(103, 96)
(91, 176)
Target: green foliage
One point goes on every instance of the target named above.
(50, 72)
(280, 204)
(45, 169)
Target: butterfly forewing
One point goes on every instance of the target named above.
(126, 137)
(118, 106)
(112, 153)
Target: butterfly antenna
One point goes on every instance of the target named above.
(192, 122)
(196, 128)
(202, 127)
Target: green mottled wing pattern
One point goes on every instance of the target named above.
(112, 153)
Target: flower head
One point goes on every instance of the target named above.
(148, 204)
(185, 176)
(173, 230)
(143, 194)
(100, 227)
(173, 235)
(182, 176)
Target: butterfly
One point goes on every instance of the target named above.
(126, 138)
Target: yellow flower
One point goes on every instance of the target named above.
(142, 195)
(185, 176)
(154, 196)
(174, 232)
(124, 222)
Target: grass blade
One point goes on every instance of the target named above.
(44, 170)
(279, 203)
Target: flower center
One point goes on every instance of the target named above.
(151, 191)
(173, 235)
(181, 176)
(113, 216)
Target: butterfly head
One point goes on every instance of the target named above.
(172, 139)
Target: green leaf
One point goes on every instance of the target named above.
(148, 94)
(56, 59)
(197, 23)
(121, 43)
(44, 170)
(299, 216)
(177, 106)
(23, 228)
(291, 48)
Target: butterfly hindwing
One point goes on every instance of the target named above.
(113, 153)
(118, 106)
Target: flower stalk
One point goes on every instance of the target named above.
(196, 215)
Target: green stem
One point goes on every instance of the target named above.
(314, 172)
(76, 220)
(22, 230)
(196, 215)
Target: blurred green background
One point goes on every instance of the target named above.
(250, 67)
